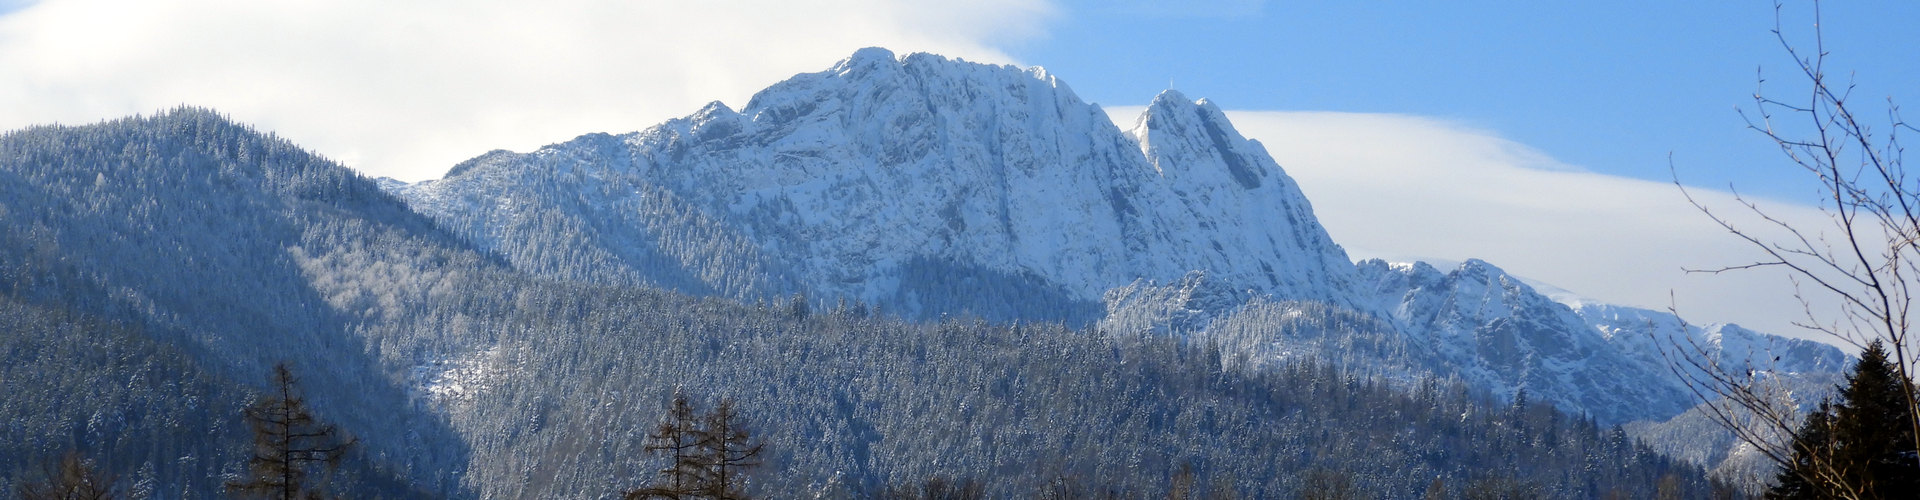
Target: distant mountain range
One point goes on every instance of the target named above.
(907, 267)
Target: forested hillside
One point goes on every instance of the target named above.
(189, 229)
(160, 265)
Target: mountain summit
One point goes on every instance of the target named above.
(904, 181)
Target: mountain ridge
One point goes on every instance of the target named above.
(920, 184)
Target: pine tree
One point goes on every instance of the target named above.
(1872, 427)
(286, 441)
(1436, 490)
(1860, 446)
(1182, 487)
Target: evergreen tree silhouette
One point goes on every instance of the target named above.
(1860, 446)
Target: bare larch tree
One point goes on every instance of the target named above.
(287, 441)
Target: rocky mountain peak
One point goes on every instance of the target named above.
(868, 179)
(1178, 135)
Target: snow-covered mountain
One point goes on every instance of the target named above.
(898, 180)
(1658, 340)
(156, 266)
(1614, 361)
(930, 186)
(159, 265)
(1645, 333)
(1481, 325)
(1505, 336)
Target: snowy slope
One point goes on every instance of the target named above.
(890, 179)
(1503, 335)
(1605, 359)
(1643, 333)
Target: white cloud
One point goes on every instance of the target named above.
(407, 89)
(1406, 188)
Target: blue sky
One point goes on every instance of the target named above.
(1608, 86)
(1533, 135)
(1612, 87)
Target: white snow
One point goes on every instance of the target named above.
(458, 379)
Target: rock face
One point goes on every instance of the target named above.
(895, 180)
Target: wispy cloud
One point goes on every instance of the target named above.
(1410, 188)
(407, 89)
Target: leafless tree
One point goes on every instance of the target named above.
(287, 440)
(1864, 257)
(729, 451)
(677, 436)
(72, 479)
(710, 453)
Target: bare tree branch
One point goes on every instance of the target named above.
(1874, 213)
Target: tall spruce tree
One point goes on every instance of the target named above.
(1862, 445)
